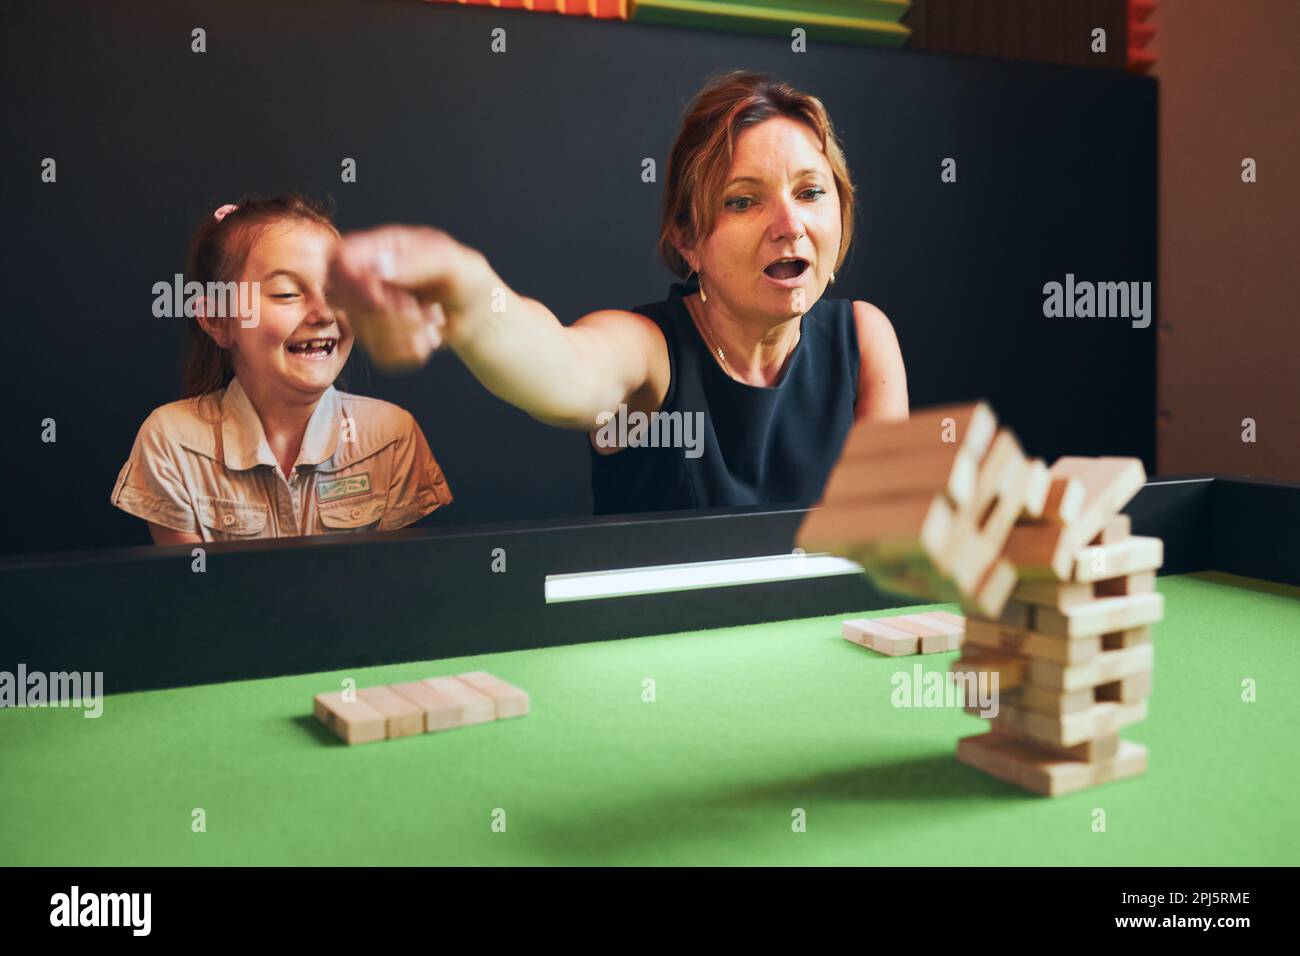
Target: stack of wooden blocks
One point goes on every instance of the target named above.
(1072, 650)
(418, 707)
(927, 505)
(1059, 596)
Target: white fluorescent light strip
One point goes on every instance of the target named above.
(660, 579)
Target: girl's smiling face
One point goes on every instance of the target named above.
(777, 236)
(300, 342)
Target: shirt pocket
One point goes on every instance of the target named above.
(352, 514)
(231, 520)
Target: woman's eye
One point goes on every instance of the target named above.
(817, 190)
(735, 203)
(284, 295)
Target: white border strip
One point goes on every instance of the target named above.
(666, 578)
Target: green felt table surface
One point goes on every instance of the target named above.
(748, 725)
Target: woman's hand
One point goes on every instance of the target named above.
(393, 284)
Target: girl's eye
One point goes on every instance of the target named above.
(735, 203)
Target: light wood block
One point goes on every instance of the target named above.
(943, 469)
(1130, 556)
(1102, 616)
(1060, 595)
(995, 590)
(976, 660)
(1118, 528)
(956, 620)
(1049, 550)
(476, 706)
(355, 722)
(1117, 640)
(1038, 488)
(440, 711)
(971, 425)
(1064, 500)
(1106, 667)
(1126, 691)
(980, 531)
(403, 718)
(1043, 700)
(1030, 768)
(889, 640)
(1143, 582)
(510, 700)
(1031, 644)
(1067, 730)
(1102, 748)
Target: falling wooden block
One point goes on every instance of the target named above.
(1060, 595)
(966, 428)
(354, 721)
(440, 711)
(1131, 556)
(476, 706)
(939, 470)
(1037, 489)
(1035, 770)
(1065, 499)
(1101, 616)
(1118, 528)
(510, 700)
(1050, 549)
(402, 716)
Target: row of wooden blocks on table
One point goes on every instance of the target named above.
(417, 707)
(931, 632)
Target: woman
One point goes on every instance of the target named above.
(758, 212)
(264, 446)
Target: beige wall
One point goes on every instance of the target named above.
(1229, 291)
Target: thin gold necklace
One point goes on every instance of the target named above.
(726, 366)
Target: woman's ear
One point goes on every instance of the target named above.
(684, 249)
(218, 328)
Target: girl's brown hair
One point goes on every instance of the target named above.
(702, 155)
(218, 252)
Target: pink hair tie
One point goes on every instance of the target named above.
(224, 211)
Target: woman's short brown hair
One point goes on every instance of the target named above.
(702, 155)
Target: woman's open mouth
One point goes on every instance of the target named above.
(313, 349)
(786, 271)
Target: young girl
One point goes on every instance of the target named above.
(263, 445)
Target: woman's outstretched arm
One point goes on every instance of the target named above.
(421, 287)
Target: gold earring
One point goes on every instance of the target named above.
(703, 297)
(832, 277)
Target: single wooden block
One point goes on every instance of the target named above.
(1067, 730)
(1038, 488)
(1032, 644)
(1044, 700)
(510, 700)
(882, 535)
(1101, 748)
(476, 706)
(1126, 691)
(1118, 528)
(995, 589)
(956, 620)
(1060, 595)
(1010, 668)
(440, 711)
(933, 636)
(890, 640)
(968, 427)
(1034, 770)
(1130, 556)
(402, 716)
(850, 631)
(1116, 640)
(1109, 665)
(943, 469)
(1102, 616)
(1144, 582)
(1065, 497)
(355, 722)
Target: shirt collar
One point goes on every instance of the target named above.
(244, 442)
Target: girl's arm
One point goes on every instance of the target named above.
(421, 284)
(162, 535)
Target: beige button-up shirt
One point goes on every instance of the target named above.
(203, 465)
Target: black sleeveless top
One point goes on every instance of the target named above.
(770, 446)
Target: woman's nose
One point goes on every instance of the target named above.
(786, 222)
